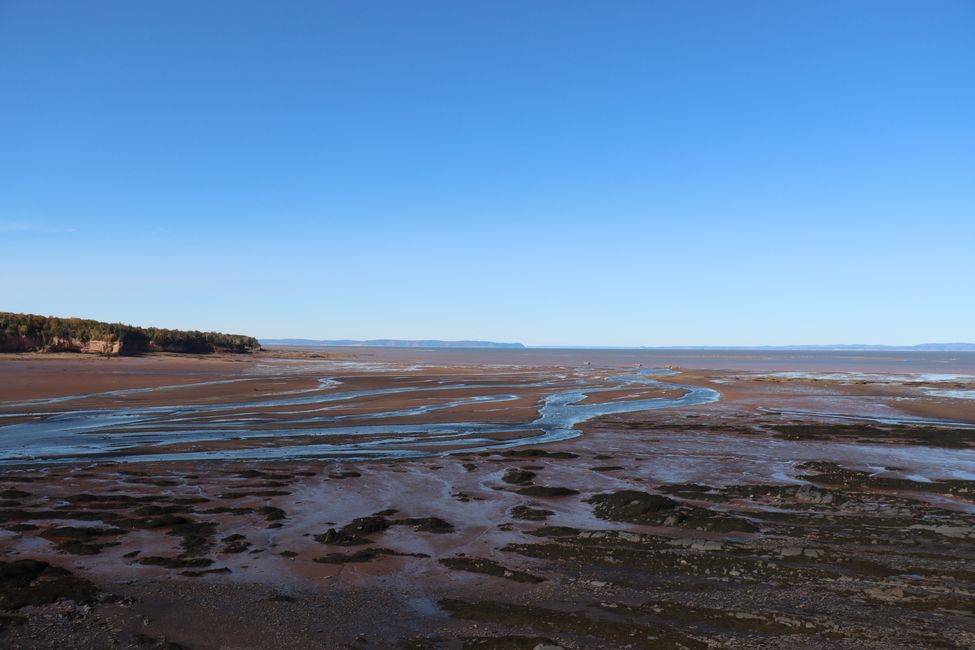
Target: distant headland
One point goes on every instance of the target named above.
(33, 333)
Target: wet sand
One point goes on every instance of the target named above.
(32, 376)
(785, 514)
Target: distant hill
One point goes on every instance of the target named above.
(389, 343)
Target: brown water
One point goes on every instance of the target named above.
(716, 359)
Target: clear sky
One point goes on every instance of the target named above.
(551, 172)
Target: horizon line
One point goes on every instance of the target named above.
(298, 341)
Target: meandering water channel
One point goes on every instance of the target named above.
(298, 424)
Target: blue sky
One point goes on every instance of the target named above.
(604, 173)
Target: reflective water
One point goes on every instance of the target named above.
(145, 433)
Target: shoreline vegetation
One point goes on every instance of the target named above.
(34, 333)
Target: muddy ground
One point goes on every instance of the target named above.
(736, 524)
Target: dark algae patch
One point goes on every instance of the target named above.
(590, 629)
(630, 505)
(832, 474)
(532, 452)
(947, 437)
(528, 513)
(426, 524)
(235, 544)
(255, 493)
(176, 562)
(487, 567)
(363, 555)
(197, 536)
(546, 491)
(354, 533)
(366, 525)
(107, 501)
(340, 538)
(81, 540)
(147, 642)
(271, 513)
(517, 476)
(655, 509)
(508, 642)
(205, 572)
(341, 475)
(32, 582)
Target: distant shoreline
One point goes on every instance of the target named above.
(391, 343)
(479, 345)
(923, 347)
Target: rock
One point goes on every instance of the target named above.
(33, 582)
(518, 476)
(630, 505)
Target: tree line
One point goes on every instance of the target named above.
(28, 332)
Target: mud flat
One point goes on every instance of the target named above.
(300, 504)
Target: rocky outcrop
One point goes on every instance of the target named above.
(58, 344)
(86, 347)
(35, 333)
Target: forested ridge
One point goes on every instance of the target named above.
(30, 332)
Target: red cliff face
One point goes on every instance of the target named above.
(9, 343)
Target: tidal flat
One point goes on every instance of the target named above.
(488, 499)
